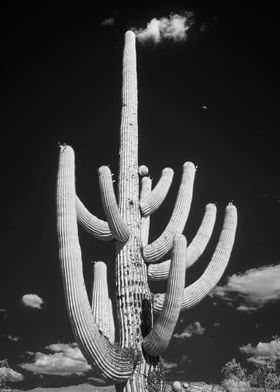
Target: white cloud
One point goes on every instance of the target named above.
(173, 28)
(65, 360)
(12, 338)
(192, 329)
(10, 375)
(108, 22)
(168, 366)
(252, 289)
(262, 350)
(32, 301)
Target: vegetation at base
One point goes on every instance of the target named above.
(265, 375)
(3, 374)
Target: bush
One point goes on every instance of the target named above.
(266, 374)
(3, 373)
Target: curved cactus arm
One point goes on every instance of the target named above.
(101, 303)
(118, 227)
(156, 342)
(111, 333)
(197, 246)
(194, 293)
(157, 249)
(146, 186)
(152, 202)
(97, 227)
(114, 363)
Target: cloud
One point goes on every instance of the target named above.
(173, 28)
(11, 338)
(262, 352)
(32, 301)
(252, 289)
(192, 329)
(168, 366)
(65, 360)
(108, 22)
(10, 375)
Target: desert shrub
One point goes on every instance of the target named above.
(3, 374)
(235, 377)
(265, 375)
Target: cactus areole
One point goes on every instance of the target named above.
(146, 321)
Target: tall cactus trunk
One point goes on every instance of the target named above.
(133, 294)
(133, 364)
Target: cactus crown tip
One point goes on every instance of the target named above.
(143, 170)
(61, 146)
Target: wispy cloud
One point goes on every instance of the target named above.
(32, 301)
(168, 366)
(10, 375)
(173, 28)
(11, 338)
(64, 360)
(192, 329)
(252, 289)
(108, 22)
(262, 351)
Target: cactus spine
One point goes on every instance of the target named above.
(133, 364)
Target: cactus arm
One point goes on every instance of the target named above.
(117, 225)
(111, 333)
(114, 364)
(202, 237)
(156, 342)
(194, 293)
(101, 303)
(152, 202)
(157, 249)
(146, 185)
(197, 246)
(97, 227)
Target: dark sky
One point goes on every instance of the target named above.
(212, 99)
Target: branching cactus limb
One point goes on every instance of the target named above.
(194, 293)
(152, 202)
(146, 186)
(116, 223)
(156, 342)
(157, 249)
(133, 364)
(101, 303)
(197, 246)
(115, 364)
(96, 227)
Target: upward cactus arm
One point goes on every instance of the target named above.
(194, 293)
(152, 202)
(114, 364)
(97, 227)
(101, 303)
(197, 246)
(146, 185)
(157, 249)
(116, 223)
(156, 342)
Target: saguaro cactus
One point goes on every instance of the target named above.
(133, 364)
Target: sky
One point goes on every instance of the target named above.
(207, 94)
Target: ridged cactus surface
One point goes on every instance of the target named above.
(133, 364)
